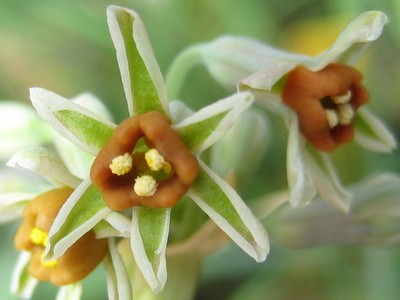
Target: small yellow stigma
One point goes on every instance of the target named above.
(48, 263)
(38, 237)
(121, 164)
(145, 185)
(156, 161)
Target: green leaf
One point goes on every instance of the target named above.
(82, 211)
(222, 204)
(205, 127)
(149, 236)
(143, 83)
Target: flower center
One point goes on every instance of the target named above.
(325, 103)
(144, 162)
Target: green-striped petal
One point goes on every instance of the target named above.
(82, 211)
(202, 129)
(225, 207)
(74, 122)
(23, 284)
(149, 236)
(141, 76)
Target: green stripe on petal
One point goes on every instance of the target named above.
(143, 83)
(205, 127)
(22, 283)
(149, 236)
(91, 132)
(225, 207)
(77, 124)
(82, 211)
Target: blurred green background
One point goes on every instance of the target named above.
(64, 46)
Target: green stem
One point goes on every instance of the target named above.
(180, 67)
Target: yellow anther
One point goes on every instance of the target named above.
(121, 164)
(342, 99)
(48, 263)
(167, 168)
(346, 114)
(332, 117)
(145, 186)
(38, 237)
(154, 160)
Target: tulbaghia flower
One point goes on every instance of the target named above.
(324, 97)
(148, 162)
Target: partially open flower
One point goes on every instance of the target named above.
(77, 262)
(155, 174)
(325, 102)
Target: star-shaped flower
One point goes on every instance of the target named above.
(172, 168)
(320, 100)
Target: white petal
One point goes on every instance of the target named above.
(301, 187)
(70, 292)
(372, 134)
(12, 205)
(91, 102)
(47, 103)
(326, 181)
(119, 222)
(44, 162)
(22, 284)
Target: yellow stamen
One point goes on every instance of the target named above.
(342, 99)
(121, 164)
(346, 114)
(38, 237)
(332, 116)
(154, 160)
(48, 263)
(145, 185)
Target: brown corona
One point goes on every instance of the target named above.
(325, 103)
(157, 177)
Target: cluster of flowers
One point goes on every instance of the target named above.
(118, 189)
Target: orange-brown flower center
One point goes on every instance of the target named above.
(158, 176)
(325, 103)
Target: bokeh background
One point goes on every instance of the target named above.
(64, 46)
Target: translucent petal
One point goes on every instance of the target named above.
(82, 211)
(77, 124)
(372, 134)
(70, 292)
(118, 283)
(141, 76)
(12, 205)
(149, 236)
(225, 207)
(206, 126)
(45, 163)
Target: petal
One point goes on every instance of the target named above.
(114, 224)
(366, 27)
(141, 76)
(301, 187)
(225, 207)
(45, 163)
(202, 129)
(82, 211)
(16, 123)
(23, 284)
(77, 124)
(149, 236)
(70, 292)
(372, 134)
(12, 205)
(118, 283)
(326, 180)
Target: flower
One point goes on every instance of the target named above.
(306, 102)
(137, 151)
(77, 262)
(325, 103)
